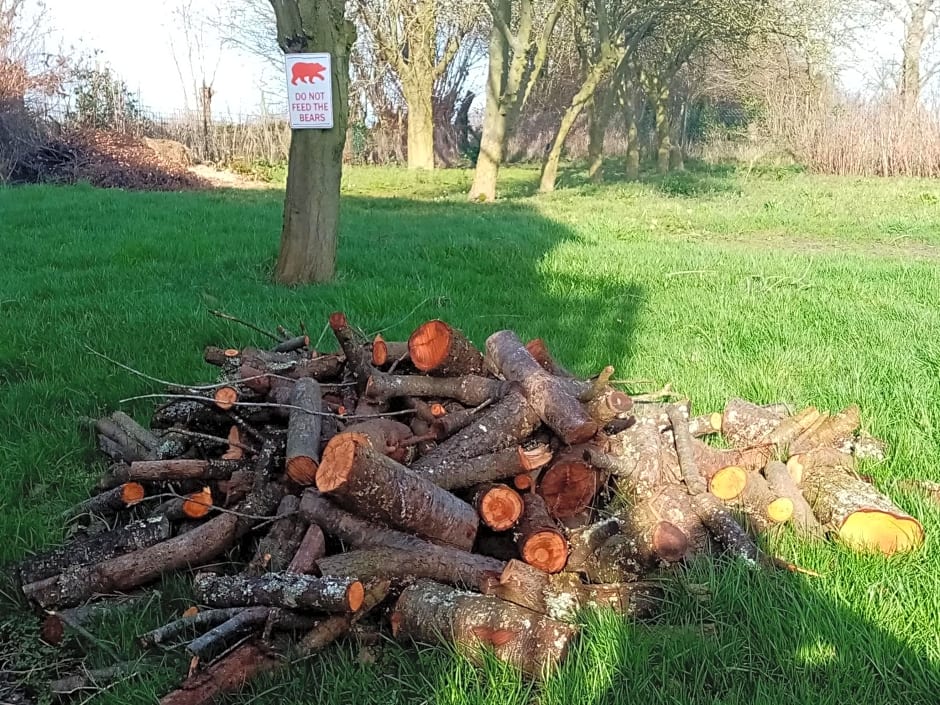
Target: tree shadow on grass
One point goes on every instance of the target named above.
(696, 180)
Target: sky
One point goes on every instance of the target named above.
(136, 38)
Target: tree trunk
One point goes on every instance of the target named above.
(419, 97)
(915, 34)
(610, 57)
(375, 486)
(598, 119)
(663, 143)
(433, 613)
(493, 137)
(311, 204)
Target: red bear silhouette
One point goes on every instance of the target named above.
(307, 73)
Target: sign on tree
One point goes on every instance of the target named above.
(309, 90)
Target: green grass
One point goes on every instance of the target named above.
(774, 285)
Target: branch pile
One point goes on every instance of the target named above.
(480, 497)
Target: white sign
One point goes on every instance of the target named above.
(309, 91)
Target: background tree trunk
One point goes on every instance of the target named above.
(311, 205)
(915, 34)
(421, 128)
(493, 138)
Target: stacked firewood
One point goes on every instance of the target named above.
(483, 498)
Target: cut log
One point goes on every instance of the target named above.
(375, 486)
(235, 450)
(292, 364)
(762, 506)
(569, 484)
(311, 549)
(278, 547)
(538, 538)
(225, 397)
(791, 427)
(179, 469)
(441, 350)
(292, 344)
(583, 542)
(357, 533)
(725, 529)
(868, 447)
(433, 613)
(782, 485)
(505, 424)
(303, 432)
(562, 597)
(406, 565)
(858, 513)
(802, 464)
(221, 637)
(546, 394)
(503, 464)
(451, 422)
(133, 429)
(745, 424)
(685, 449)
(288, 590)
(499, 506)
(385, 353)
(610, 404)
(634, 457)
(471, 390)
(705, 425)
(123, 443)
(94, 549)
(198, 504)
(227, 675)
(111, 501)
(354, 348)
(77, 583)
(837, 432)
(389, 437)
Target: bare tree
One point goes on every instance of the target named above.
(519, 38)
(418, 40)
(315, 164)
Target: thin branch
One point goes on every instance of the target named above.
(214, 439)
(228, 317)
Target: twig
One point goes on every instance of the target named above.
(214, 439)
(256, 517)
(267, 404)
(665, 393)
(229, 317)
(84, 633)
(401, 320)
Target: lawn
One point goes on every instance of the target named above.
(770, 284)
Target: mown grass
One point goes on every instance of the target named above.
(773, 285)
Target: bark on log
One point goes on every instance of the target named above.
(791, 427)
(109, 502)
(868, 447)
(190, 414)
(858, 513)
(253, 361)
(492, 467)
(583, 542)
(685, 449)
(125, 444)
(569, 484)
(180, 469)
(451, 422)
(311, 549)
(499, 506)
(782, 485)
(292, 344)
(288, 590)
(303, 432)
(802, 464)
(505, 424)
(357, 533)
(538, 538)
(546, 394)
(608, 405)
(354, 348)
(386, 353)
(93, 549)
(438, 349)
(762, 506)
(745, 424)
(469, 389)
(705, 425)
(408, 565)
(279, 545)
(227, 675)
(429, 612)
(634, 457)
(837, 432)
(562, 597)
(725, 529)
(391, 438)
(375, 486)
(133, 429)
(221, 637)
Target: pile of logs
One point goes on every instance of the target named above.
(483, 498)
